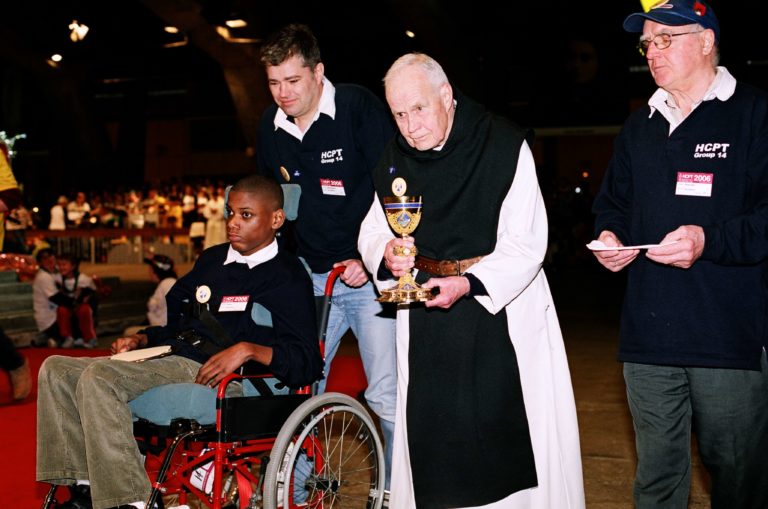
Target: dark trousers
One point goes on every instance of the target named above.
(10, 358)
(726, 410)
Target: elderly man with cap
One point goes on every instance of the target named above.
(689, 174)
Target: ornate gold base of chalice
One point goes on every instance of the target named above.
(403, 215)
(406, 291)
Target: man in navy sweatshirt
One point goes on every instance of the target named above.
(690, 173)
(327, 139)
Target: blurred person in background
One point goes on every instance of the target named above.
(215, 223)
(174, 216)
(76, 302)
(151, 206)
(18, 221)
(161, 271)
(189, 206)
(44, 286)
(10, 360)
(78, 211)
(59, 214)
(17, 367)
(10, 194)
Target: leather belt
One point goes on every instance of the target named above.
(445, 267)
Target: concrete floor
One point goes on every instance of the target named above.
(588, 302)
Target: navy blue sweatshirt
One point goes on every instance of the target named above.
(281, 285)
(332, 164)
(713, 314)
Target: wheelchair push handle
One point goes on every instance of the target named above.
(332, 276)
(325, 304)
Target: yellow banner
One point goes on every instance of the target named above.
(647, 4)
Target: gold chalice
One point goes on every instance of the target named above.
(403, 215)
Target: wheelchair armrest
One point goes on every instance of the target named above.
(259, 416)
(247, 418)
(253, 368)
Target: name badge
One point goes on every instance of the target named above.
(332, 187)
(694, 184)
(234, 303)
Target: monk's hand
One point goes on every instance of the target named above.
(451, 289)
(399, 256)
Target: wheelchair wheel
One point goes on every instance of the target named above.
(327, 454)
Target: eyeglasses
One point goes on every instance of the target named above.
(661, 41)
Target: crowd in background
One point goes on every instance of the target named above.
(197, 206)
(165, 205)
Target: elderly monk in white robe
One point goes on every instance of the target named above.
(485, 414)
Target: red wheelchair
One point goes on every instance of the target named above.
(262, 446)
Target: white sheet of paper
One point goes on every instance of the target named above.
(597, 245)
(142, 354)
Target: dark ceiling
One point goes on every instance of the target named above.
(499, 52)
(479, 40)
(513, 56)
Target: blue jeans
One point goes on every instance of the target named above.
(374, 328)
(726, 409)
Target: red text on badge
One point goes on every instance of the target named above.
(234, 303)
(332, 186)
(694, 184)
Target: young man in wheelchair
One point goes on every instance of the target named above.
(84, 427)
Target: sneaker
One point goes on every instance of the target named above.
(85, 343)
(52, 343)
(202, 478)
(68, 343)
(21, 380)
(79, 498)
(40, 340)
(131, 506)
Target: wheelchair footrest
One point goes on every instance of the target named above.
(152, 438)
